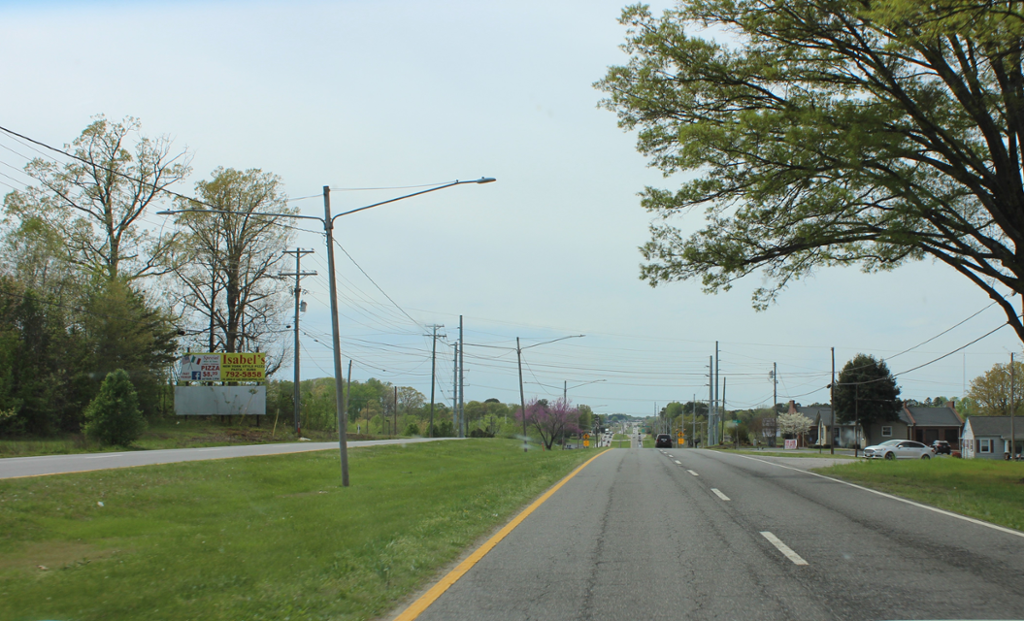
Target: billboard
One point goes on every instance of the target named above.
(234, 367)
(220, 400)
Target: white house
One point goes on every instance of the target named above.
(988, 437)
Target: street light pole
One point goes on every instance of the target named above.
(328, 222)
(522, 397)
(336, 339)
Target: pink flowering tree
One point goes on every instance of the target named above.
(552, 420)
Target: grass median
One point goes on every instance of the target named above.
(258, 538)
(980, 488)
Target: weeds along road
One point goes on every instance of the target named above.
(11, 467)
(696, 534)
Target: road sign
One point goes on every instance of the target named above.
(586, 443)
(586, 436)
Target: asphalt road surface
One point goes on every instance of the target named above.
(697, 534)
(11, 467)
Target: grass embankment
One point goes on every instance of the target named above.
(187, 433)
(258, 538)
(985, 489)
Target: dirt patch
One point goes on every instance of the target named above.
(53, 555)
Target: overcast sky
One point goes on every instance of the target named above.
(388, 94)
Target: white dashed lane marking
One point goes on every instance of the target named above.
(719, 494)
(786, 550)
(678, 462)
(693, 473)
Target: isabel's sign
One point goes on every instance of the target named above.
(237, 367)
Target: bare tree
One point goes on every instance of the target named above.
(95, 201)
(230, 255)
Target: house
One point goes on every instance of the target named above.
(913, 422)
(928, 424)
(988, 437)
(821, 422)
(924, 424)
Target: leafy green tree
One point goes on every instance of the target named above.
(586, 417)
(990, 392)
(95, 202)
(114, 417)
(866, 392)
(125, 331)
(43, 355)
(967, 407)
(829, 133)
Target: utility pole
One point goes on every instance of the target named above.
(718, 411)
(298, 274)
(396, 411)
(455, 386)
(694, 439)
(711, 392)
(775, 388)
(462, 383)
(775, 403)
(522, 395)
(723, 407)
(832, 406)
(348, 389)
(433, 368)
(1013, 439)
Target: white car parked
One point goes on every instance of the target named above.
(899, 449)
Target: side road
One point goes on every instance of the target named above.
(13, 467)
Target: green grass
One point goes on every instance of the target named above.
(258, 538)
(985, 489)
(186, 433)
(648, 442)
(797, 453)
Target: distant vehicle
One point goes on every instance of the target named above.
(663, 441)
(899, 449)
(941, 447)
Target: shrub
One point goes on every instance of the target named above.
(114, 417)
(412, 430)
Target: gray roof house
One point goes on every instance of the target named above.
(988, 437)
(922, 423)
(914, 422)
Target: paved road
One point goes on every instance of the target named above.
(56, 464)
(696, 534)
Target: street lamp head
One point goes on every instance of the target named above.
(166, 212)
(486, 180)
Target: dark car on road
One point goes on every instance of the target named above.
(663, 441)
(941, 447)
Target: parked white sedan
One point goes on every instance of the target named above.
(899, 449)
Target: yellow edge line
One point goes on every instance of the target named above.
(416, 608)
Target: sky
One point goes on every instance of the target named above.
(403, 94)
